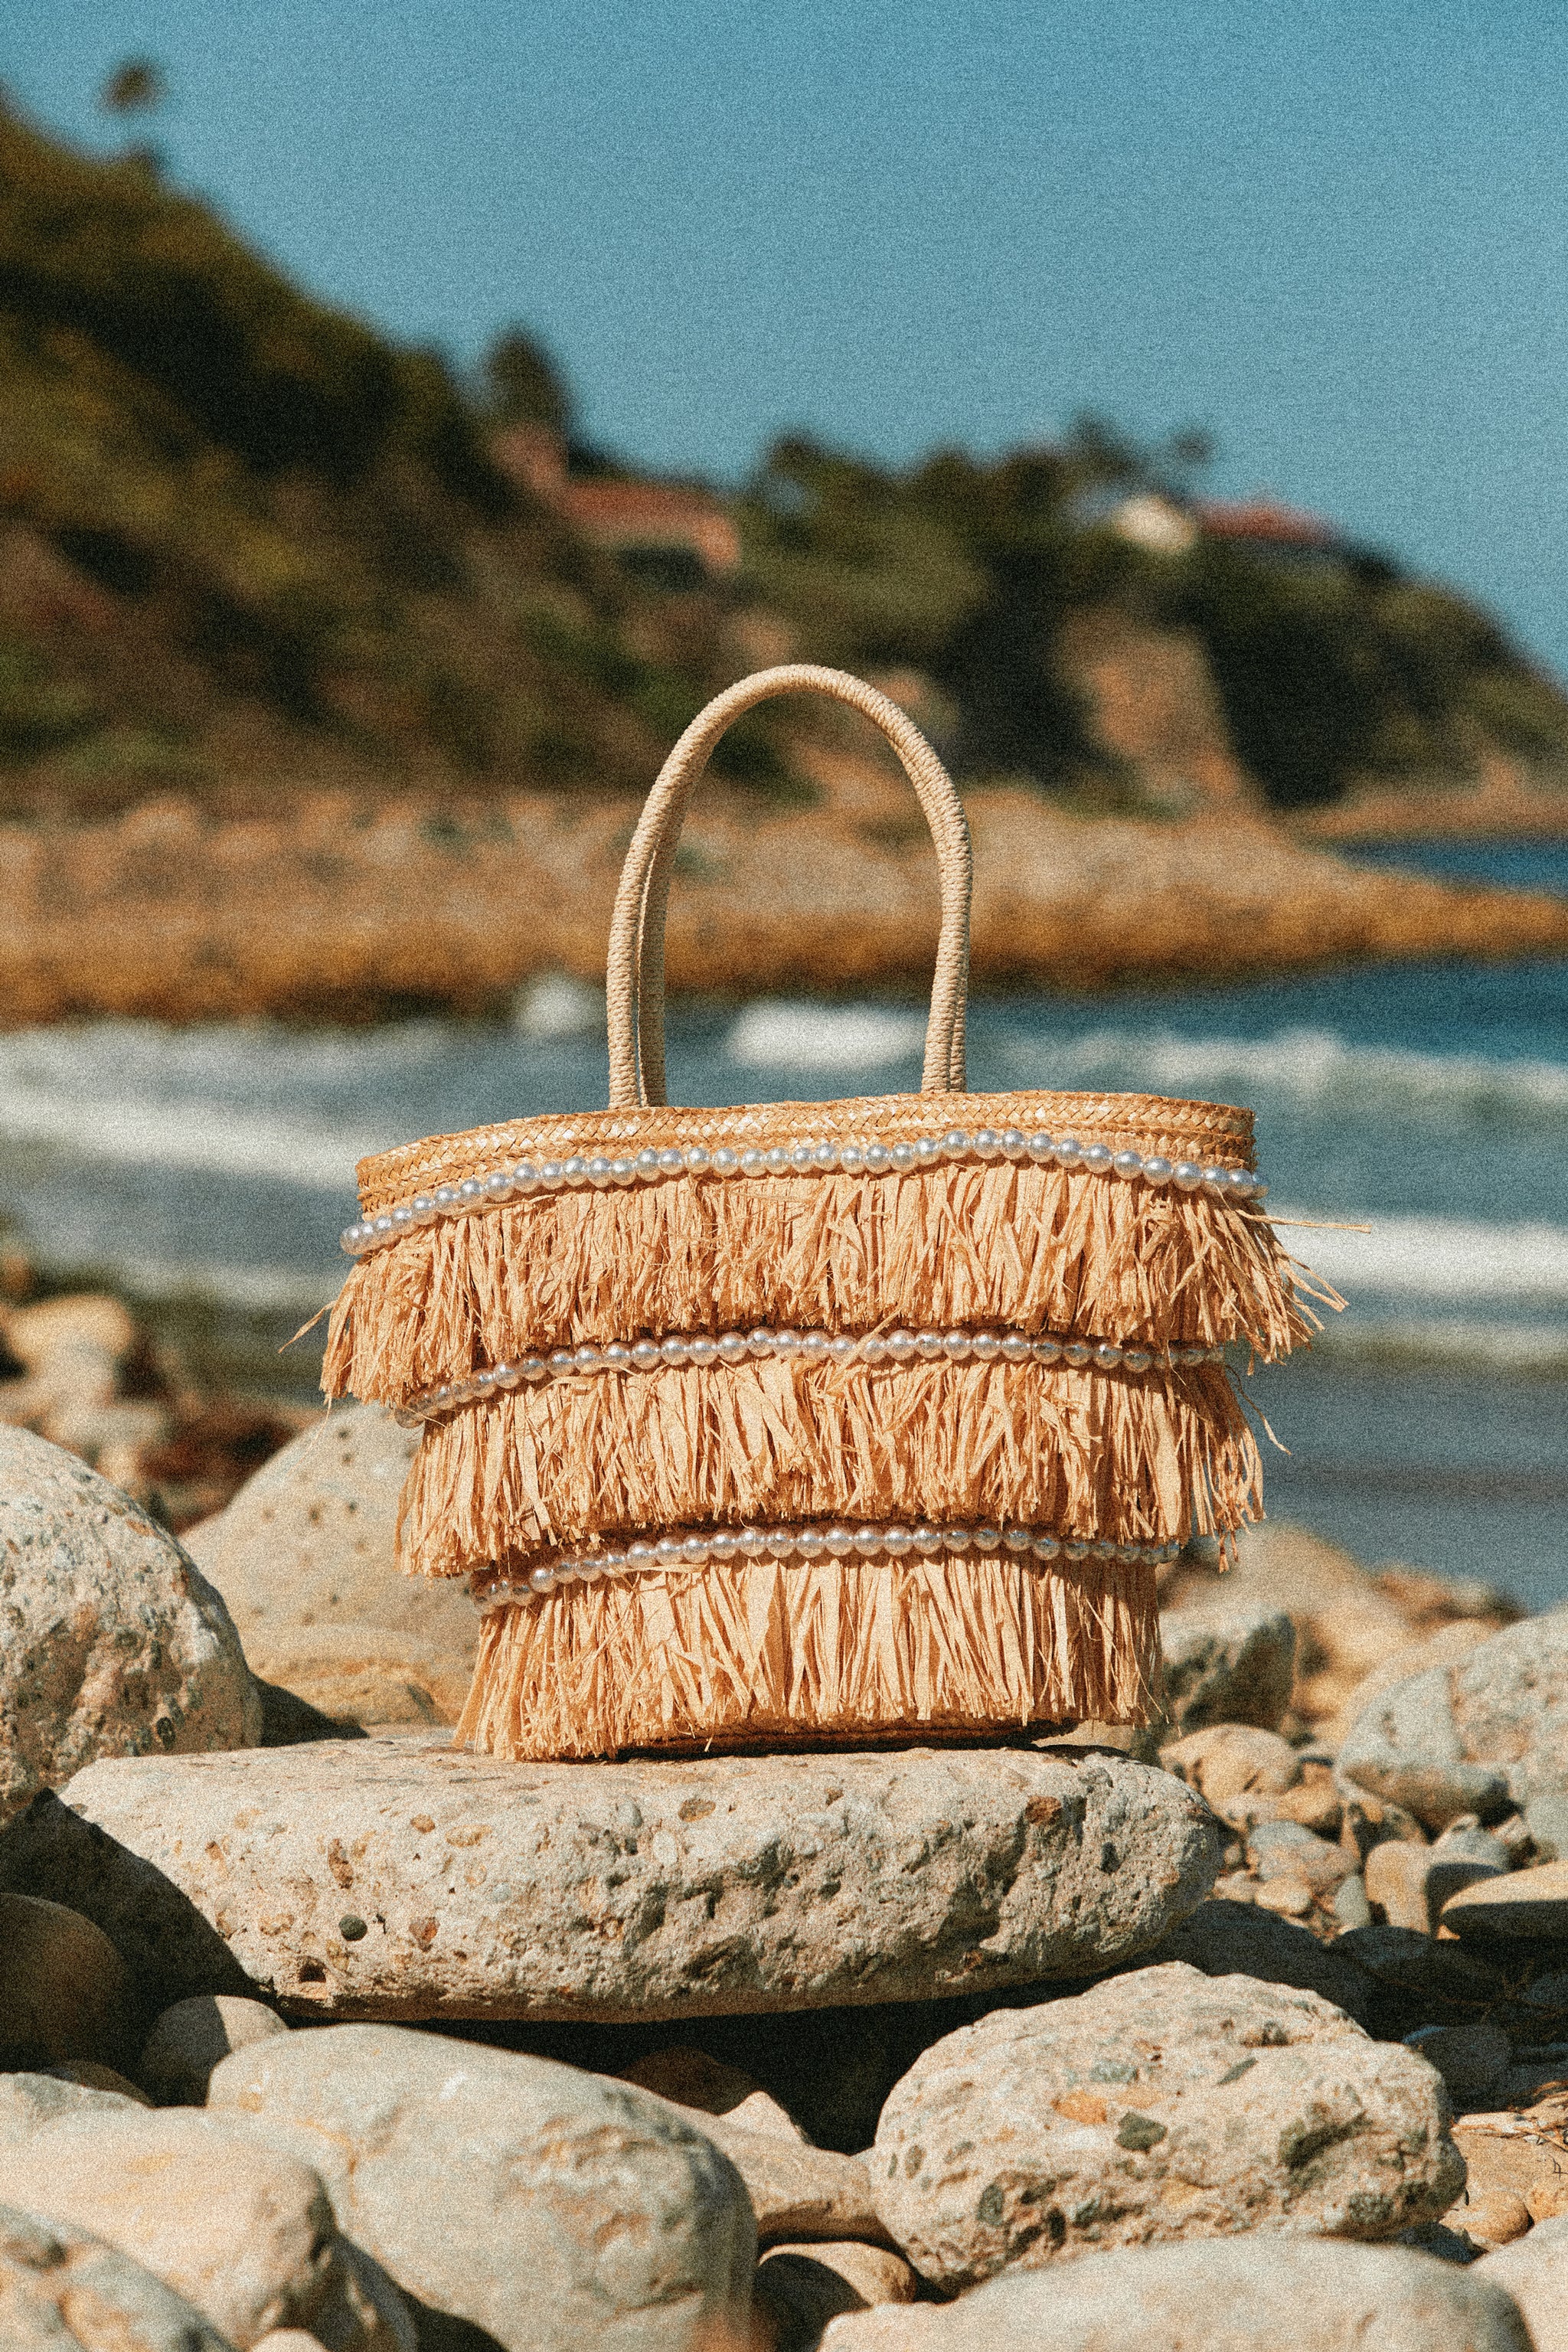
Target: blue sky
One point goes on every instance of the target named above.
(1331, 232)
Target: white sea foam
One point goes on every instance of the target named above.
(774, 1034)
(1313, 1067)
(1436, 1258)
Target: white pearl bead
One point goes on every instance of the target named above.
(425, 1210)
(617, 1357)
(549, 1176)
(955, 1347)
(957, 1538)
(497, 1185)
(788, 1344)
(1189, 1175)
(599, 1172)
(669, 1161)
(984, 1347)
(902, 1156)
(1068, 1153)
(470, 1194)
(575, 1169)
(733, 1348)
(777, 1161)
(1097, 1159)
(987, 1537)
(446, 1199)
(1041, 1147)
(702, 1352)
(694, 1551)
(1216, 1180)
(868, 1542)
(988, 1143)
(812, 1346)
(723, 1546)
(1156, 1170)
(483, 1382)
(641, 1555)
(851, 1158)
(1076, 1353)
(752, 1542)
(761, 1342)
(878, 1159)
(1016, 1539)
(588, 1359)
(825, 1155)
(931, 1346)
(402, 1219)
(871, 1349)
(725, 1162)
(646, 1355)
(623, 1172)
(673, 1350)
(841, 1349)
(563, 1360)
(1127, 1164)
(753, 1163)
(895, 1541)
(956, 1142)
(840, 1541)
(802, 1156)
(1013, 1143)
(782, 1542)
(614, 1562)
(668, 1550)
(810, 1543)
(927, 1148)
(542, 1580)
(926, 1539)
(647, 1164)
(899, 1345)
(1016, 1349)
(534, 1368)
(699, 1159)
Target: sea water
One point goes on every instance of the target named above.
(1428, 1102)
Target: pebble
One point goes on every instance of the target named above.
(1526, 1906)
(62, 1984)
(796, 2191)
(111, 1642)
(1484, 1734)
(1161, 2104)
(1351, 1905)
(605, 2217)
(798, 2289)
(1230, 1760)
(393, 1876)
(1534, 2271)
(1226, 1665)
(1495, 2218)
(1289, 1850)
(1231, 2295)
(190, 2038)
(62, 2287)
(241, 2229)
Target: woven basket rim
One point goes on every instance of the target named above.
(1140, 1121)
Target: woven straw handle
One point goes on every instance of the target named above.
(635, 971)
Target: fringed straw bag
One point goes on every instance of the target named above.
(813, 1424)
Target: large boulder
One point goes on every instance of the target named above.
(1482, 1734)
(394, 1876)
(1232, 2294)
(1162, 2105)
(303, 1555)
(60, 2287)
(112, 1641)
(550, 2207)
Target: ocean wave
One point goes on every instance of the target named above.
(1316, 1067)
(774, 1034)
(1434, 1259)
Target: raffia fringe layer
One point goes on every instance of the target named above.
(838, 1652)
(1028, 1247)
(1145, 1459)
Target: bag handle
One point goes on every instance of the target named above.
(635, 969)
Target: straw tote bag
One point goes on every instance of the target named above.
(801, 1423)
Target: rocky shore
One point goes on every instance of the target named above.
(315, 2032)
(357, 910)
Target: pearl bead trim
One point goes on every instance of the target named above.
(808, 1347)
(806, 1157)
(494, 1588)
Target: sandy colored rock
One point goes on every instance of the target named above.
(303, 1555)
(1529, 1906)
(1483, 1733)
(797, 2192)
(190, 2039)
(1227, 1760)
(706, 2085)
(1226, 1663)
(30, 2099)
(798, 2289)
(62, 1984)
(1162, 2105)
(60, 2287)
(1225, 1939)
(1534, 2271)
(111, 1642)
(606, 2218)
(1444, 1648)
(1230, 2294)
(1507, 2155)
(1396, 1880)
(393, 1876)
(1496, 2219)
(242, 2230)
(92, 2075)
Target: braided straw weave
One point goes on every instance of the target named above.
(943, 1642)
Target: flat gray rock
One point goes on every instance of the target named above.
(552, 2208)
(1481, 1735)
(111, 1642)
(51, 2273)
(1161, 2105)
(396, 1877)
(1233, 2294)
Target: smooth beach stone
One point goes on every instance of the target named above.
(28, 2101)
(1526, 1906)
(1225, 1761)
(1162, 2105)
(62, 2287)
(304, 1556)
(189, 2039)
(1483, 1733)
(243, 2230)
(1227, 1665)
(61, 1983)
(798, 2289)
(796, 2191)
(1232, 2294)
(112, 1642)
(552, 2208)
(1225, 1939)
(1535, 2270)
(396, 1877)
